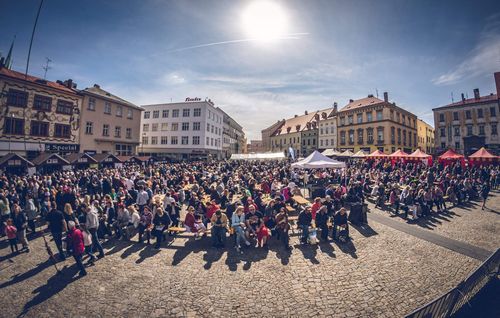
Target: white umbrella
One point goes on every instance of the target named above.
(318, 161)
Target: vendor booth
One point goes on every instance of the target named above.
(377, 154)
(450, 157)
(47, 163)
(80, 160)
(15, 164)
(318, 161)
(107, 160)
(483, 157)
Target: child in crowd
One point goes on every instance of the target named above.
(11, 231)
(199, 227)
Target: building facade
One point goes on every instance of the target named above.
(255, 146)
(425, 137)
(268, 132)
(181, 131)
(233, 137)
(109, 124)
(469, 124)
(327, 134)
(370, 123)
(38, 115)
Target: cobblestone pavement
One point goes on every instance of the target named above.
(382, 273)
(468, 223)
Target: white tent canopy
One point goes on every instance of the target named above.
(346, 153)
(330, 153)
(258, 156)
(318, 161)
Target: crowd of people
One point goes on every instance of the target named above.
(251, 201)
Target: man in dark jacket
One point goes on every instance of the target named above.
(340, 220)
(304, 221)
(57, 225)
(321, 222)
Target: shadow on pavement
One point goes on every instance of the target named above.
(364, 230)
(147, 252)
(347, 248)
(26, 275)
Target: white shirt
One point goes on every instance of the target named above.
(142, 198)
(135, 219)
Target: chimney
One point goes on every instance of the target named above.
(296, 116)
(497, 82)
(386, 97)
(96, 86)
(476, 94)
(370, 95)
(305, 113)
(351, 100)
(335, 107)
(463, 98)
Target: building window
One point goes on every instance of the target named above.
(443, 145)
(89, 128)
(185, 126)
(468, 114)
(342, 121)
(321, 142)
(156, 114)
(128, 133)
(441, 118)
(351, 136)
(145, 127)
(469, 130)
(398, 117)
(197, 112)
(481, 130)
(457, 145)
(456, 131)
(494, 128)
(39, 128)
(105, 130)
(380, 134)
(17, 98)
(43, 103)
(404, 137)
(480, 113)
(173, 140)
(393, 135)
(369, 117)
(186, 112)
(107, 108)
(391, 114)
(154, 140)
(211, 142)
(185, 140)
(326, 142)
(342, 138)
(360, 118)
(196, 126)
(145, 140)
(404, 119)
(455, 115)
(147, 114)
(64, 107)
(208, 127)
(350, 119)
(212, 129)
(164, 113)
(442, 132)
(119, 111)
(13, 126)
(175, 113)
(360, 136)
(130, 114)
(369, 135)
(164, 140)
(208, 142)
(175, 126)
(91, 104)
(123, 150)
(380, 115)
(164, 126)
(118, 131)
(493, 111)
(154, 127)
(62, 131)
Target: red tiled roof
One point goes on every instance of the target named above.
(482, 99)
(367, 101)
(20, 76)
(299, 122)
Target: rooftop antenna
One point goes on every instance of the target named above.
(46, 67)
(452, 101)
(376, 90)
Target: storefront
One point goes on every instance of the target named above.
(49, 162)
(15, 164)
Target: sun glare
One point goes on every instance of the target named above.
(264, 21)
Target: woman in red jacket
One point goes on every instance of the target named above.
(75, 238)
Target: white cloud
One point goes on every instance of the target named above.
(483, 59)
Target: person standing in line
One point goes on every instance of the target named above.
(21, 222)
(92, 224)
(485, 191)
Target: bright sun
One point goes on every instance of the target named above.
(264, 21)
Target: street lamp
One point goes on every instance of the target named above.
(11, 128)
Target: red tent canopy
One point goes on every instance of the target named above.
(451, 155)
(483, 154)
(376, 154)
(398, 154)
(418, 154)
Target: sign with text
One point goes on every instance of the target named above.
(62, 147)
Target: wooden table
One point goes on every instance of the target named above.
(300, 200)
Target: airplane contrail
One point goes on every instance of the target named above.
(292, 36)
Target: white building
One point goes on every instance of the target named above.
(327, 136)
(180, 131)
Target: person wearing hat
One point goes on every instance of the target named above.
(75, 238)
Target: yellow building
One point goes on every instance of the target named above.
(425, 133)
(370, 123)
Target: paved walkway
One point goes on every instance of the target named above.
(451, 244)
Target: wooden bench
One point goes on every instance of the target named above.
(290, 208)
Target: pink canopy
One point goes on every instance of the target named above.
(418, 154)
(483, 154)
(451, 155)
(376, 154)
(398, 154)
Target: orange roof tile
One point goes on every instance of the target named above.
(482, 99)
(20, 76)
(367, 101)
(299, 123)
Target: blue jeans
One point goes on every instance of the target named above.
(58, 240)
(305, 232)
(218, 236)
(240, 235)
(79, 263)
(95, 241)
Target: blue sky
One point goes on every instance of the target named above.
(419, 51)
